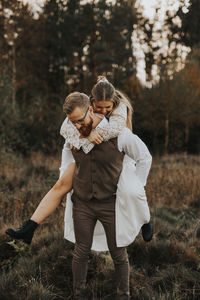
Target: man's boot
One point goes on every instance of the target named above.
(24, 233)
(147, 232)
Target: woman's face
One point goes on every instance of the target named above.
(103, 107)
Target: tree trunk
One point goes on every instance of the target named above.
(13, 77)
(166, 134)
(186, 138)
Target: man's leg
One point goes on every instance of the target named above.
(84, 223)
(119, 254)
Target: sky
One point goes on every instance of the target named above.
(35, 3)
(148, 5)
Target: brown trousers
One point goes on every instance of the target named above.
(85, 216)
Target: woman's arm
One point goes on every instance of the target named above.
(117, 121)
(53, 198)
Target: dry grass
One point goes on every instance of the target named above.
(174, 182)
(168, 268)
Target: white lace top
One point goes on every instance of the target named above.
(117, 122)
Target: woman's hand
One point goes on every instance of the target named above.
(95, 137)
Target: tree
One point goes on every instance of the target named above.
(108, 44)
(190, 18)
(160, 39)
(187, 89)
(3, 42)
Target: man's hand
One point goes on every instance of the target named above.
(95, 137)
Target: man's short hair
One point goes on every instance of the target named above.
(74, 100)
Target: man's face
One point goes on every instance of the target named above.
(81, 118)
(103, 107)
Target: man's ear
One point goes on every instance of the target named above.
(91, 110)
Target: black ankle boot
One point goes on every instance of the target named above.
(147, 232)
(24, 233)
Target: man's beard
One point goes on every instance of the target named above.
(86, 129)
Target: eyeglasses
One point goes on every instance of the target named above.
(80, 121)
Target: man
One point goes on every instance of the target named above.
(94, 190)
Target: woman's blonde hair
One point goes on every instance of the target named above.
(103, 90)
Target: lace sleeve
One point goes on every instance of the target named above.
(67, 130)
(117, 122)
(71, 136)
(70, 133)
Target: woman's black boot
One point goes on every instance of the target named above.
(147, 232)
(24, 233)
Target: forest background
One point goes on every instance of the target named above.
(62, 48)
(68, 44)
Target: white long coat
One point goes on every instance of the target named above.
(132, 209)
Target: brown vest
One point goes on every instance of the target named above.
(96, 173)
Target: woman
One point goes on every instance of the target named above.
(108, 101)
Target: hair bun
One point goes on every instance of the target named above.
(101, 79)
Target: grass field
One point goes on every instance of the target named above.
(166, 268)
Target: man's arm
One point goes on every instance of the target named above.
(134, 147)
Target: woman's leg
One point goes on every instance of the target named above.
(53, 198)
(45, 208)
